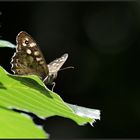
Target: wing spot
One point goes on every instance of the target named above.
(41, 62)
(28, 51)
(17, 60)
(24, 44)
(61, 60)
(17, 65)
(54, 64)
(26, 39)
(56, 60)
(38, 58)
(18, 71)
(36, 53)
(32, 44)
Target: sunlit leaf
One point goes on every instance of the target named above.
(28, 93)
(16, 125)
(4, 43)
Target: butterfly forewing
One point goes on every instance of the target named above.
(28, 58)
(55, 65)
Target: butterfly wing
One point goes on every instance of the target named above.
(55, 65)
(28, 58)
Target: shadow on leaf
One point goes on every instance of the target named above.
(2, 86)
(32, 84)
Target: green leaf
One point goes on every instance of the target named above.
(4, 43)
(28, 93)
(16, 125)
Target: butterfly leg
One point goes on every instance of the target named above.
(53, 85)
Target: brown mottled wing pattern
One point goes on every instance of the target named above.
(28, 58)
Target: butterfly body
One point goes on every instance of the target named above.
(29, 60)
(55, 66)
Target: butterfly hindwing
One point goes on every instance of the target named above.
(28, 58)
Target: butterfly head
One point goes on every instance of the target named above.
(54, 67)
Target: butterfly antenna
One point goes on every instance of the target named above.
(70, 67)
(45, 78)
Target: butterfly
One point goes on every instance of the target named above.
(29, 60)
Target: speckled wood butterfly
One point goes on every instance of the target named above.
(28, 59)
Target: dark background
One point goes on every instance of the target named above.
(103, 43)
